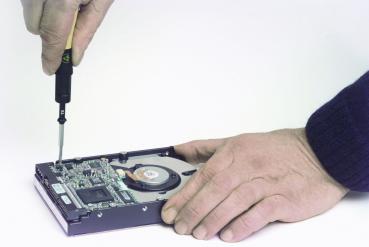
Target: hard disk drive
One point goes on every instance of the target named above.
(111, 191)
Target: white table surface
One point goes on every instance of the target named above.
(164, 72)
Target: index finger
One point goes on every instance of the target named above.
(218, 162)
(55, 26)
(32, 12)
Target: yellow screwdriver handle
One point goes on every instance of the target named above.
(70, 37)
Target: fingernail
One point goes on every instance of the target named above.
(169, 215)
(227, 235)
(46, 69)
(77, 57)
(200, 232)
(181, 227)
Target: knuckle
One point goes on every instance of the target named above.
(239, 196)
(194, 143)
(47, 58)
(246, 224)
(84, 32)
(236, 145)
(228, 148)
(246, 194)
(277, 200)
(183, 197)
(206, 174)
(265, 211)
(99, 7)
(191, 212)
(192, 149)
(50, 38)
(281, 207)
(196, 147)
(214, 218)
(221, 183)
(69, 4)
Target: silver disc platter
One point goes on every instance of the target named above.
(152, 175)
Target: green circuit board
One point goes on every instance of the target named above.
(92, 184)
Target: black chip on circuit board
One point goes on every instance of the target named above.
(125, 196)
(69, 166)
(87, 172)
(95, 195)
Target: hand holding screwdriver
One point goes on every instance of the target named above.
(53, 19)
(60, 30)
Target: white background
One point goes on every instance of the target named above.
(164, 72)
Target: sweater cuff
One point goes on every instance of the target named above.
(338, 133)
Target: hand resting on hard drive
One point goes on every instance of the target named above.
(249, 181)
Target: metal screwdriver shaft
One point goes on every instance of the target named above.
(61, 142)
(61, 121)
(63, 81)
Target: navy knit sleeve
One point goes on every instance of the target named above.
(338, 133)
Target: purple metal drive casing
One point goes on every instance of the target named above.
(79, 221)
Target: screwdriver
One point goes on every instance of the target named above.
(63, 80)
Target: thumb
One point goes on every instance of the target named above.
(199, 151)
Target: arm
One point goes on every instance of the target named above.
(339, 135)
